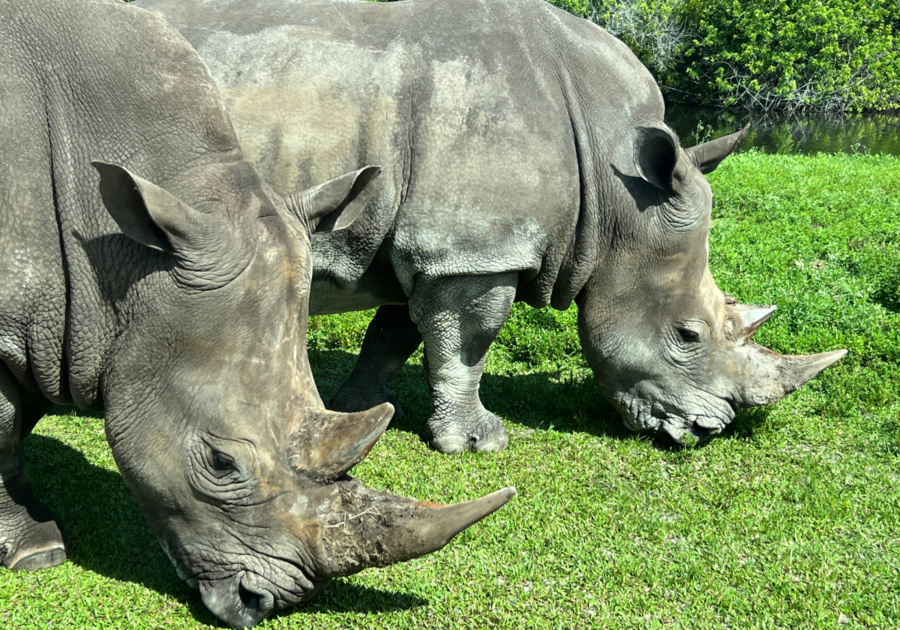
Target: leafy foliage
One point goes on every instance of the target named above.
(832, 55)
(654, 29)
(826, 54)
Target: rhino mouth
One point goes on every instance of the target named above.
(685, 429)
(241, 600)
(691, 431)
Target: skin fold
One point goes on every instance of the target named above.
(525, 159)
(146, 267)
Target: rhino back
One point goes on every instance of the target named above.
(88, 80)
(315, 89)
(486, 115)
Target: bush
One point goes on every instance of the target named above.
(832, 55)
(773, 54)
(654, 29)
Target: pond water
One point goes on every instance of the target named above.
(872, 133)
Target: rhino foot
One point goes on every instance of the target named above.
(483, 434)
(35, 545)
(349, 399)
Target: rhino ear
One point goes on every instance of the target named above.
(709, 155)
(337, 203)
(656, 156)
(148, 214)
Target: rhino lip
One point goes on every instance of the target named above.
(252, 602)
(236, 602)
(691, 430)
(681, 429)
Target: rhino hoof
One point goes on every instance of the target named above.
(454, 439)
(449, 444)
(35, 560)
(38, 544)
(492, 445)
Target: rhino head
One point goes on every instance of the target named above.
(672, 352)
(231, 454)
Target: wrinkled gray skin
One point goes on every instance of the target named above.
(525, 158)
(180, 306)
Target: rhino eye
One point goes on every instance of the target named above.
(689, 336)
(223, 476)
(222, 462)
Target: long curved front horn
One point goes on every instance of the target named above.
(374, 529)
(772, 376)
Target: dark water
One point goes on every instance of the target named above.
(864, 133)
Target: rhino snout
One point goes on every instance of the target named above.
(693, 430)
(232, 602)
(242, 600)
(649, 412)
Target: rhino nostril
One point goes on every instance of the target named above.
(240, 607)
(249, 599)
(701, 433)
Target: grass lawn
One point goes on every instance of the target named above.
(792, 520)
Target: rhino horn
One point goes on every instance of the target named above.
(375, 529)
(330, 443)
(442, 522)
(773, 376)
(750, 317)
(709, 155)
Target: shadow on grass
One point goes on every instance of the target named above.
(538, 401)
(106, 533)
(888, 295)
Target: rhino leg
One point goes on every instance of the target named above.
(390, 340)
(30, 536)
(459, 317)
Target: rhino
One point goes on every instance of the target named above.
(525, 159)
(170, 285)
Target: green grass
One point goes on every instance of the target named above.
(792, 520)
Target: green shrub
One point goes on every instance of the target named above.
(779, 54)
(833, 55)
(654, 29)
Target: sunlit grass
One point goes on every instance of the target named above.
(792, 520)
